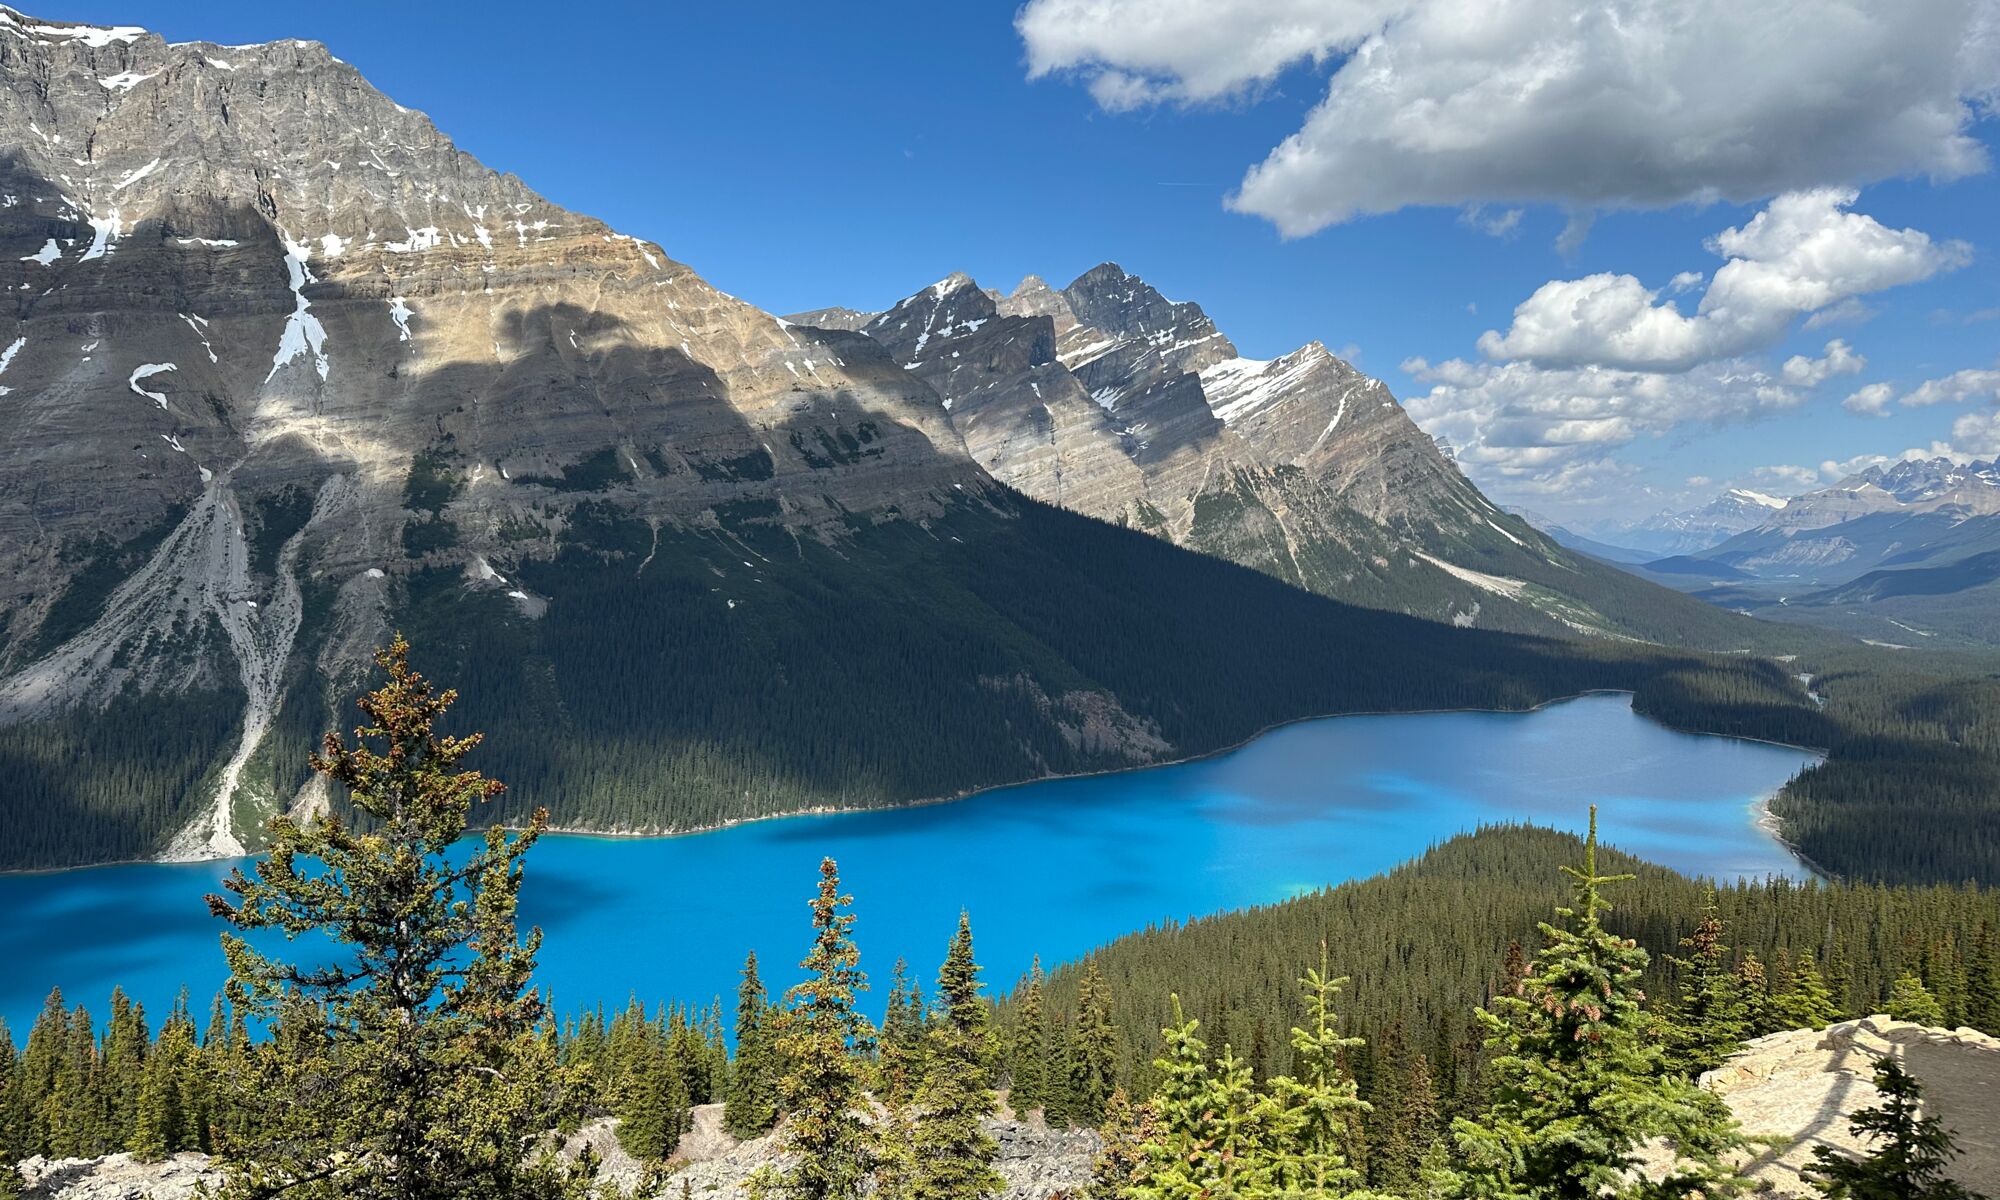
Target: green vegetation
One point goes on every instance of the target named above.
(1909, 1158)
(410, 1068)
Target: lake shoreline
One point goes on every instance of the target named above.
(1763, 818)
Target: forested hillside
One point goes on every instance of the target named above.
(1424, 943)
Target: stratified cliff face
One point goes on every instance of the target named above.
(269, 326)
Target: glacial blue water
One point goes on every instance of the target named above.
(1053, 868)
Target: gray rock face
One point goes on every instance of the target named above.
(241, 270)
(1107, 398)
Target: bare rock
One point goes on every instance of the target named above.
(118, 1177)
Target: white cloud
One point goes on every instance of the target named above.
(1153, 51)
(1785, 476)
(1544, 430)
(1870, 401)
(1585, 103)
(1847, 312)
(1501, 225)
(1976, 435)
(1803, 253)
(1838, 358)
(1956, 388)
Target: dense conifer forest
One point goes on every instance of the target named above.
(667, 685)
(1454, 1027)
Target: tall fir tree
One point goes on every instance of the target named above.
(826, 1135)
(1577, 1086)
(1707, 1020)
(1028, 1047)
(1319, 1106)
(1415, 1126)
(901, 1045)
(954, 1153)
(1910, 1152)
(415, 1071)
(1091, 1062)
(1982, 1003)
(751, 1108)
(1805, 1002)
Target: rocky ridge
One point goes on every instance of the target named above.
(1107, 398)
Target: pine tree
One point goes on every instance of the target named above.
(1213, 1137)
(1753, 988)
(123, 1068)
(828, 1139)
(1908, 1160)
(900, 1062)
(655, 1112)
(1805, 1003)
(165, 1121)
(752, 1105)
(1318, 1104)
(1982, 1001)
(1414, 1129)
(412, 1070)
(1910, 1000)
(954, 1153)
(13, 1106)
(1092, 1060)
(1123, 1137)
(1576, 1085)
(1028, 1048)
(1707, 1021)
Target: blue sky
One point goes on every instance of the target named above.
(805, 154)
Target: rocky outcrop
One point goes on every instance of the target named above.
(1800, 1088)
(1038, 1163)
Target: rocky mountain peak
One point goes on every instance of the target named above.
(1108, 298)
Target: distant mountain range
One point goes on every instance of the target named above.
(1901, 554)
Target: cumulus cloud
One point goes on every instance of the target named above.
(1956, 388)
(1548, 430)
(1585, 103)
(1870, 401)
(1837, 359)
(1805, 252)
(1976, 435)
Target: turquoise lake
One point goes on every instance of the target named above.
(1053, 868)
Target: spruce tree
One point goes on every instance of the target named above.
(655, 1112)
(900, 1059)
(1910, 1000)
(13, 1105)
(412, 1069)
(1213, 1136)
(1414, 1128)
(1753, 988)
(826, 1135)
(1707, 1021)
(1576, 1085)
(1805, 1002)
(1028, 1048)
(1909, 1155)
(954, 1153)
(1318, 1105)
(1123, 1137)
(165, 1120)
(752, 1104)
(1982, 1001)
(1092, 1060)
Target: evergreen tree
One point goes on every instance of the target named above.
(413, 1069)
(1028, 1048)
(752, 1105)
(900, 1065)
(1982, 1003)
(954, 1153)
(1805, 1002)
(1910, 1000)
(1213, 1136)
(166, 1120)
(1091, 1068)
(1318, 1104)
(123, 1068)
(1708, 1019)
(1415, 1127)
(1123, 1137)
(13, 1106)
(656, 1110)
(1576, 1085)
(830, 1143)
(1753, 988)
(1910, 1153)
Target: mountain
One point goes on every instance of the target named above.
(287, 371)
(1889, 553)
(1106, 398)
(1667, 534)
